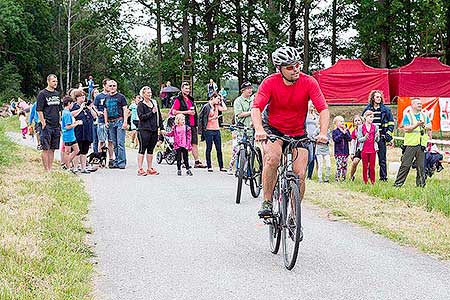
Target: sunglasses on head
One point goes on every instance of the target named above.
(292, 67)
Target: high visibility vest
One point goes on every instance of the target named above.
(419, 135)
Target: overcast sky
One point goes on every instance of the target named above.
(144, 33)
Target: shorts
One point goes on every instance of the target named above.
(134, 124)
(147, 141)
(50, 138)
(69, 144)
(84, 147)
(273, 131)
(24, 130)
(357, 154)
(102, 132)
(194, 132)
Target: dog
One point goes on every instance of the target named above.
(98, 157)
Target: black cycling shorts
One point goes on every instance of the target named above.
(273, 131)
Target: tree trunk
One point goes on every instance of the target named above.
(69, 19)
(61, 84)
(306, 37)
(271, 34)
(158, 39)
(408, 51)
(79, 61)
(293, 23)
(384, 45)
(250, 8)
(333, 33)
(210, 28)
(240, 71)
(447, 48)
(185, 30)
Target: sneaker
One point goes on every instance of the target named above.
(266, 209)
(223, 170)
(179, 172)
(111, 163)
(114, 166)
(152, 171)
(439, 168)
(198, 164)
(85, 172)
(39, 147)
(209, 169)
(141, 172)
(189, 173)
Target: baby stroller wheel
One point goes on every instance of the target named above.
(159, 157)
(170, 158)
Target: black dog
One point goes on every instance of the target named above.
(98, 157)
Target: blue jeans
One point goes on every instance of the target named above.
(117, 135)
(95, 138)
(213, 136)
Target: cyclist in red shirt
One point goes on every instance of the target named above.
(280, 108)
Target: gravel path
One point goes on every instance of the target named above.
(170, 237)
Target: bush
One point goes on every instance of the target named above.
(10, 81)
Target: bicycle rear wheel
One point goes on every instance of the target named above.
(256, 173)
(291, 219)
(274, 225)
(242, 166)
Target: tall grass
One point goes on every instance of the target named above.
(43, 250)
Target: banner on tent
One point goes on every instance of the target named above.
(430, 106)
(444, 103)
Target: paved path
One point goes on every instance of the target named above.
(170, 237)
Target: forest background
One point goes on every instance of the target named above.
(225, 38)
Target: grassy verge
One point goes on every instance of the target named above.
(398, 220)
(43, 252)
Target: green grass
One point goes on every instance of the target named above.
(435, 195)
(43, 250)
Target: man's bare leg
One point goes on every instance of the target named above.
(44, 156)
(300, 166)
(51, 157)
(271, 161)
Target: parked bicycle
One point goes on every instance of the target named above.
(249, 163)
(285, 223)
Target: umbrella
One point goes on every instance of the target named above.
(170, 89)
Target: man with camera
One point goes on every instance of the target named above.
(417, 127)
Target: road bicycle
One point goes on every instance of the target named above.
(285, 224)
(249, 163)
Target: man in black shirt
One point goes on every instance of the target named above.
(49, 108)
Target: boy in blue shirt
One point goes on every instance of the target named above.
(68, 124)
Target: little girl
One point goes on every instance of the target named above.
(323, 153)
(368, 137)
(341, 137)
(182, 142)
(355, 154)
(23, 124)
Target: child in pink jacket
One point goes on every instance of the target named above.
(182, 142)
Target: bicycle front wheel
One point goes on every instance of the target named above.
(291, 234)
(256, 173)
(242, 166)
(274, 225)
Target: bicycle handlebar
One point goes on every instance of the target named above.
(288, 139)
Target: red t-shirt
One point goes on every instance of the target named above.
(176, 106)
(288, 104)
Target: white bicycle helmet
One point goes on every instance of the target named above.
(285, 56)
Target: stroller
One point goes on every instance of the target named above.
(168, 152)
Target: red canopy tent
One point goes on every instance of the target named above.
(350, 81)
(423, 77)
